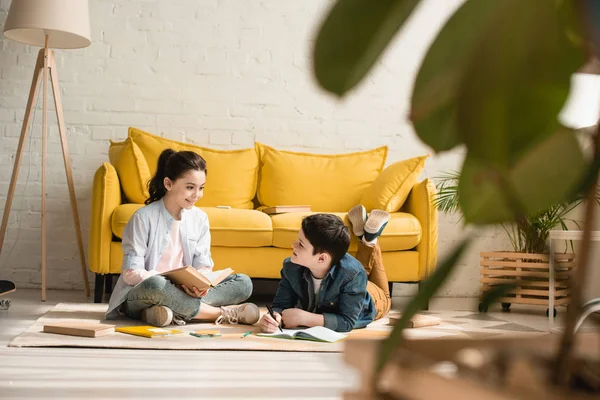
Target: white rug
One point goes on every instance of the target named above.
(455, 324)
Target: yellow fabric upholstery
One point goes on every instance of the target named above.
(121, 216)
(132, 169)
(420, 203)
(403, 231)
(266, 262)
(232, 174)
(254, 243)
(106, 194)
(228, 228)
(239, 228)
(288, 178)
(391, 188)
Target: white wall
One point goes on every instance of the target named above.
(223, 73)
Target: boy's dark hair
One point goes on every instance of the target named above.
(172, 164)
(327, 234)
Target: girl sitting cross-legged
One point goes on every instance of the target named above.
(168, 233)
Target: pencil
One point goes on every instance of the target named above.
(246, 334)
(273, 316)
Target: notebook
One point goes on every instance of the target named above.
(315, 334)
(80, 329)
(190, 277)
(148, 331)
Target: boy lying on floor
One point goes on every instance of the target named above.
(322, 285)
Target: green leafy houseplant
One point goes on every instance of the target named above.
(494, 81)
(531, 235)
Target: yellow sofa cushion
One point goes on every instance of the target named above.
(391, 188)
(327, 183)
(228, 228)
(232, 174)
(402, 232)
(132, 168)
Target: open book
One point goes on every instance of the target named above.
(316, 334)
(285, 209)
(190, 277)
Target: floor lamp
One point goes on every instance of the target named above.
(62, 24)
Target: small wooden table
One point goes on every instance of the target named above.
(562, 235)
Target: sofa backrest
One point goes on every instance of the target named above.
(326, 182)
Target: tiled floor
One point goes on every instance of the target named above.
(69, 373)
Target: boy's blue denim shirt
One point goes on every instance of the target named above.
(343, 298)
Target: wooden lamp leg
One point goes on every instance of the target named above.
(35, 83)
(65, 150)
(44, 161)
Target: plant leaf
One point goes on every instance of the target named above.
(496, 292)
(436, 90)
(519, 82)
(352, 38)
(427, 290)
(489, 194)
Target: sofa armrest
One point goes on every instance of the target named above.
(106, 196)
(420, 203)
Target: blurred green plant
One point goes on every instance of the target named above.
(493, 81)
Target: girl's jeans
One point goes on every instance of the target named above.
(157, 290)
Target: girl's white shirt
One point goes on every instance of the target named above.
(145, 238)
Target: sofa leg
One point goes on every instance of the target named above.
(426, 307)
(108, 284)
(99, 288)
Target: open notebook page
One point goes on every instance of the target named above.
(319, 333)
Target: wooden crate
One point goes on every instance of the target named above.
(531, 275)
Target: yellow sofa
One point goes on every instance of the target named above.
(251, 241)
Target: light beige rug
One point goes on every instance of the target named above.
(94, 313)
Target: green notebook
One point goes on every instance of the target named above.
(316, 334)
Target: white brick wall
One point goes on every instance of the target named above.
(223, 73)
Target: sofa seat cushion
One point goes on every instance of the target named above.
(228, 228)
(239, 228)
(403, 232)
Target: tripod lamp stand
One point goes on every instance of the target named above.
(62, 24)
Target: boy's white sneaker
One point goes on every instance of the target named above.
(358, 216)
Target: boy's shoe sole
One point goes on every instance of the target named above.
(358, 216)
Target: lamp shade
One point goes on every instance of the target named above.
(582, 108)
(66, 22)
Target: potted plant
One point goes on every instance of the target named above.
(493, 82)
(530, 258)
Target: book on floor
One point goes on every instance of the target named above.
(148, 331)
(80, 329)
(315, 334)
(190, 277)
(285, 209)
(418, 321)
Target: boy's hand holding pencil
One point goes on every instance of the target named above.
(270, 322)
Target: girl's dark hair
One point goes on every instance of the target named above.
(172, 164)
